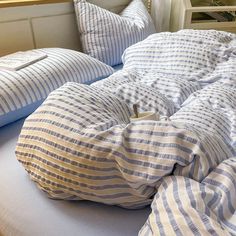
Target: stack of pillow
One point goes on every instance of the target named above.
(104, 35)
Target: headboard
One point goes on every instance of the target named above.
(54, 25)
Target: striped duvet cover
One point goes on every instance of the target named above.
(80, 145)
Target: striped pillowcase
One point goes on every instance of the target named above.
(24, 90)
(105, 35)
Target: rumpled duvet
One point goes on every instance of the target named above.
(80, 144)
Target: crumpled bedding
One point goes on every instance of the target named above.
(183, 206)
(80, 143)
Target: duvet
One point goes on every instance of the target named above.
(80, 144)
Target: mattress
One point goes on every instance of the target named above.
(25, 210)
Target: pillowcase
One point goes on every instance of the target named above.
(105, 35)
(22, 91)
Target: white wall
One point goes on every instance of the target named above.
(51, 25)
(54, 25)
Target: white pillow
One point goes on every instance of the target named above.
(105, 35)
(24, 90)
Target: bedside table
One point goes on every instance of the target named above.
(187, 15)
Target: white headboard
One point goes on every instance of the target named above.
(54, 25)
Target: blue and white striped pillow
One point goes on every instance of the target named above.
(105, 35)
(22, 91)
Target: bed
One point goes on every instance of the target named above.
(81, 145)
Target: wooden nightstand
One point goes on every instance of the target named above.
(186, 15)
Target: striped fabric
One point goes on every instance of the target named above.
(128, 85)
(105, 35)
(175, 91)
(33, 83)
(203, 116)
(212, 109)
(80, 144)
(183, 206)
(186, 54)
(146, 97)
(224, 71)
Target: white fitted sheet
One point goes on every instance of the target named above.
(25, 210)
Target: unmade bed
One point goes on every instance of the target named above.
(81, 143)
